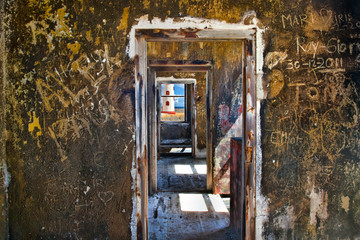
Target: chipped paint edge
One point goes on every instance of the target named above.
(261, 202)
(133, 227)
(183, 23)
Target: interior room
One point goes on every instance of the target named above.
(179, 119)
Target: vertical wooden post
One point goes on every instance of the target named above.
(158, 123)
(249, 137)
(192, 105)
(237, 193)
(141, 139)
(153, 130)
(209, 131)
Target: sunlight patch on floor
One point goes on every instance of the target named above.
(183, 169)
(192, 203)
(200, 168)
(218, 203)
(180, 150)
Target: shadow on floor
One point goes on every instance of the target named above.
(181, 174)
(227, 233)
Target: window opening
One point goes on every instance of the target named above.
(175, 108)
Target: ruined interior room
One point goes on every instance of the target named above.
(177, 119)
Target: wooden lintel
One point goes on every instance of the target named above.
(193, 34)
(179, 66)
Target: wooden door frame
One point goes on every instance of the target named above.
(190, 84)
(252, 76)
(176, 66)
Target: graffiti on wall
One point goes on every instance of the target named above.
(312, 112)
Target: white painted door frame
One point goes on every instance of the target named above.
(188, 30)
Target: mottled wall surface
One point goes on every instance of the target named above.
(310, 122)
(3, 171)
(200, 106)
(70, 118)
(69, 89)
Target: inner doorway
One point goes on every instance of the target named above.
(175, 112)
(192, 132)
(181, 203)
(181, 163)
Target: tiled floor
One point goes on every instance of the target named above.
(183, 210)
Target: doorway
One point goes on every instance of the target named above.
(145, 122)
(181, 162)
(179, 133)
(179, 201)
(175, 111)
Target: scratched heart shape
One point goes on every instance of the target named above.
(106, 197)
(326, 16)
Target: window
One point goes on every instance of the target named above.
(174, 108)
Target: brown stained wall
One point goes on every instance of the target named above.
(70, 107)
(70, 118)
(310, 130)
(200, 102)
(3, 171)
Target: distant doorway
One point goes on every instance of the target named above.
(175, 114)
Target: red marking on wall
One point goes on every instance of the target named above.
(168, 112)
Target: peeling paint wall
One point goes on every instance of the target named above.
(67, 115)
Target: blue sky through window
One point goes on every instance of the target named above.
(179, 89)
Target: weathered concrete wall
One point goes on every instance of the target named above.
(3, 168)
(310, 122)
(200, 106)
(70, 106)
